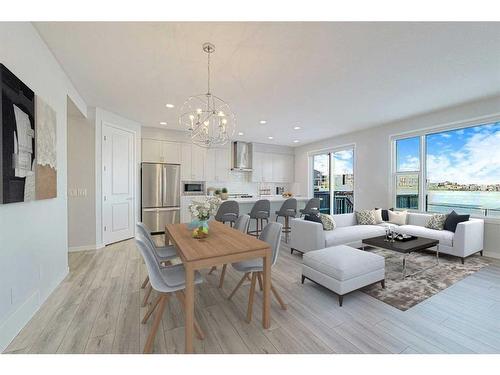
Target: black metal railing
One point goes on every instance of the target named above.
(343, 202)
(324, 201)
(409, 201)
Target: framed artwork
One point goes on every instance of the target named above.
(28, 159)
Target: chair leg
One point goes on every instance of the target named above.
(222, 274)
(146, 296)
(151, 309)
(278, 297)
(212, 270)
(152, 334)
(259, 278)
(146, 281)
(238, 285)
(197, 329)
(250, 297)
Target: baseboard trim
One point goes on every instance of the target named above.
(73, 249)
(18, 319)
(492, 254)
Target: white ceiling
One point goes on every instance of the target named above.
(329, 78)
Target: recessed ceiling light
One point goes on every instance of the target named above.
(263, 122)
(163, 123)
(270, 137)
(168, 105)
(296, 141)
(241, 133)
(297, 128)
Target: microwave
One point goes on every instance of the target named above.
(193, 188)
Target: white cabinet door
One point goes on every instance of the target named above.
(171, 152)
(198, 155)
(210, 164)
(257, 167)
(186, 162)
(290, 169)
(222, 164)
(267, 167)
(151, 151)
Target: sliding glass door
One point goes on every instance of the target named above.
(333, 181)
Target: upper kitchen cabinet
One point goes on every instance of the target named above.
(271, 167)
(156, 151)
(217, 164)
(192, 162)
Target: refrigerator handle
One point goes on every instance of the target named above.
(163, 185)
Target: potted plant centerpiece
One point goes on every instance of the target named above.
(223, 194)
(201, 212)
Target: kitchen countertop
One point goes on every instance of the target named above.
(271, 198)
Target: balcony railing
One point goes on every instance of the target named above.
(410, 201)
(343, 202)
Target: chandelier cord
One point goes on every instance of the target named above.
(208, 66)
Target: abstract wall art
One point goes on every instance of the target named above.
(28, 168)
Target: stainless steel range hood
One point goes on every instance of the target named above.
(241, 156)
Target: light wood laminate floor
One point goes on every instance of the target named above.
(96, 309)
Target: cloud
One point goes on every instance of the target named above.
(476, 162)
(445, 135)
(410, 163)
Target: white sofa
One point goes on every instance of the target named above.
(308, 235)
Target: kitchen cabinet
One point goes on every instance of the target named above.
(257, 167)
(156, 151)
(267, 167)
(217, 164)
(271, 167)
(186, 162)
(192, 162)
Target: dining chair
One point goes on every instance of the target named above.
(165, 281)
(312, 207)
(287, 210)
(240, 224)
(228, 212)
(261, 211)
(163, 255)
(255, 267)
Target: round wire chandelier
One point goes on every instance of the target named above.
(207, 117)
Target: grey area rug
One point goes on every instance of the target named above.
(406, 293)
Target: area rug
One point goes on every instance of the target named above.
(406, 293)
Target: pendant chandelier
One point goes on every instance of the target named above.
(207, 117)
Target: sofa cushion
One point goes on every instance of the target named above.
(414, 218)
(436, 221)
(366, 217)
(313, 217)
(378, 216)
(444, 237)
(397, 217)
(328, 221)
(343, 262)
(453, 219)
(343, 235)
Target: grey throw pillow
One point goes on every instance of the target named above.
(328, 222)
(366, 217)
(436, 222)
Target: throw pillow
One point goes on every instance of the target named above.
(366, 217)
(385, 214)
(313, 217)
(397, 217)
(436, 222)
(378, 216)
(453, 219)
(328, 222)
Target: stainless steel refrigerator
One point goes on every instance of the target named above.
(160, 195)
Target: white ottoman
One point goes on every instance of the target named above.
(343, 269)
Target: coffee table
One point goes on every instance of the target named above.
(405, 248)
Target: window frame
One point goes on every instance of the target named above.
(422, 133)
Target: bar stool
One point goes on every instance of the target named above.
(228, 212)
(261, 210)
(312, 207)
(288, 209)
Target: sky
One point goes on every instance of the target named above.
(342, 162)
(466, 156)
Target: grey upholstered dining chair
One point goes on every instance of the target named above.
(240, 224)
(261, 211)
(254, 267)
(228, 212)
(163, 255)
(312, 207)
(288, 209)
(165, 281)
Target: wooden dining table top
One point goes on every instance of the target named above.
(222, 241)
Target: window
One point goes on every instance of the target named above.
(407, 178)
(460, 170)
(333, 181)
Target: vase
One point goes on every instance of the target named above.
(200, 228)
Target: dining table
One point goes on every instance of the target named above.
(223, 245)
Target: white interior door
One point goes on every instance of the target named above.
(118, 184)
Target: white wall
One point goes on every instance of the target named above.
(102, 116)
(33, 236)
(372, 165)
(81, 178)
